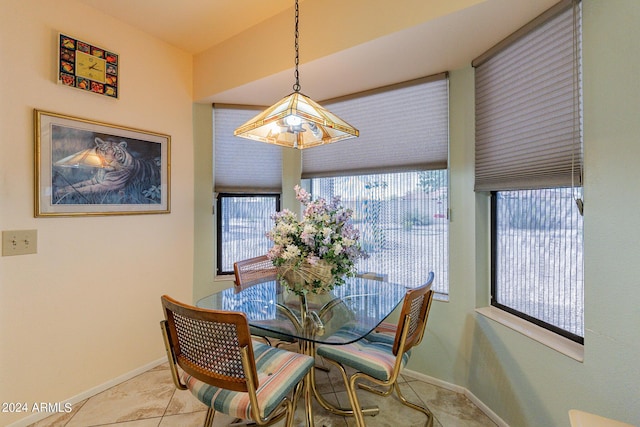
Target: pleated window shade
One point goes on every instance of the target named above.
(242, 165)
(528, 115)
(403, 127)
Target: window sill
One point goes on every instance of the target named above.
(554, 341)
(441, 297)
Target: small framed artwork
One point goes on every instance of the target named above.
(87, 67)
(88, 168)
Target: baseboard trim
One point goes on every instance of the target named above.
(90, 393)
(458, 389)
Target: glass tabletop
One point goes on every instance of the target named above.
(346, 314)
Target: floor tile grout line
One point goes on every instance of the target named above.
(424, 403)
(83, 403)
(166, 408)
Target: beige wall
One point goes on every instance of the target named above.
(233, 62)
(204, 253)
(85, 308)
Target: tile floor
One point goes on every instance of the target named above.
(151, 400)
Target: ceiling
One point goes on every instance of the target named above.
(191, 25)
(446, 43)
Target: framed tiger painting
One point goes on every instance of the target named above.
(88, 168)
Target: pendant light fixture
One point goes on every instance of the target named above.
(296, 120)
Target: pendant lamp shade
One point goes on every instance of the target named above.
(296, 121)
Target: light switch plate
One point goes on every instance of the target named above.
(19, 242)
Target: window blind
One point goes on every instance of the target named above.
(403, 127)
(243, 165)
(402, 221)
(528, 106)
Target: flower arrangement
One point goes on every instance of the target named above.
(315, 254)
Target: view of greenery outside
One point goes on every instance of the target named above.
(539, 256)
(402, 219)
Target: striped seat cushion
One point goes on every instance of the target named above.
(278, 373)
(386, 333)
(374, 358)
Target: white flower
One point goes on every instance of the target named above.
(291, 252)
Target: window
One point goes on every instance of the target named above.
(537, 264)
(529, 156)
(243, 221)
(247, 181)
(394, 177)
(402, 219)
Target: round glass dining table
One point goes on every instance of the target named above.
(354, 309)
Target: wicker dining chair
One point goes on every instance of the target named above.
(380, 360)
(249, 272)
(252, 271)
(211, 353)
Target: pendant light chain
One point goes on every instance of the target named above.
(296, 86)
(305, 123)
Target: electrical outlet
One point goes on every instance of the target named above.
(19, 242)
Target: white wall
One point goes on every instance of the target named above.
(85, 308)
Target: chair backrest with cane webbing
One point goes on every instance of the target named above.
(416, 307)
(250, 271)
(209, 344)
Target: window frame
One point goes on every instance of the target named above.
(219, 225)
(494, 267)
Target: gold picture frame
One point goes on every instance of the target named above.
(88, 168)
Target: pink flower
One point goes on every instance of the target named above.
(302, 195)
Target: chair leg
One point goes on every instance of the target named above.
(294, 403)
(208, 419)
(290, 410)
(404, 401)
(353, 398)
(379, 392)
(344, 412)
(321, 367)
(356, 410)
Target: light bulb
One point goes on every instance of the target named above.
(292, 120)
